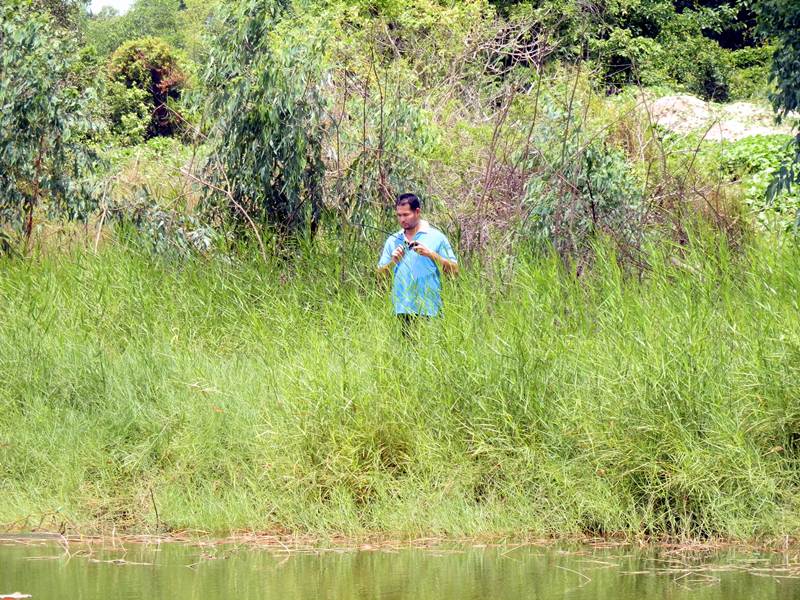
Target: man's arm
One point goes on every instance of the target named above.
(385, 267)
(448, 265)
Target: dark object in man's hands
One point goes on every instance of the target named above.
(413, 244)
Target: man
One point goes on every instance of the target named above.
(415, 255)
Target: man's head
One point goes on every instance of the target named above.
(407, 210)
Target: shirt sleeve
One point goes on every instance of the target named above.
(445, 250)
(386, 255)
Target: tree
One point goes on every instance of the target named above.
(43, 122)
(108, 30)
(105, 30)
(780, 21)
(154, 18)
(65, 13)
(263, 99)
(153, 67)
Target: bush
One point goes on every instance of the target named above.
(750, 74)
(630, 59)
(695, 61)
(754, 162)
(128, 112)
(595, 194)
(152, 67)
(780, 20)
(107, 30)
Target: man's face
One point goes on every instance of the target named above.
(407, 217)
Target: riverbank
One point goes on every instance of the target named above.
(143, 395)
(321, 544)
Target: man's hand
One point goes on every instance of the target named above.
(448, 266)
(397, 255)
(424, 251)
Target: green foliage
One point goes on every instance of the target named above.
(750, 75)
(43, 123)
(154, 18)
(780, 20)
(193, 24)
(630, 59)
(694, 60)
(657, 42)
(653, 43)
(106, 30)
(180, 24)
(594, 195)
(154, 69)
(128, 110)
(150, 205)
(535, 418)
(264, 102)
(65, 14)
(146, 18)
(754, 162)
(755, 154)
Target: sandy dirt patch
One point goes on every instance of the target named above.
(685, 114)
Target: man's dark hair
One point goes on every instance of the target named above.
(410, 199)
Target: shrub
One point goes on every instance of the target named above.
(750, 74)
(780, 20)
(695, 61)
(754, 162)
(630, 59)
(128, 112)
(153, 67)
(594, 194)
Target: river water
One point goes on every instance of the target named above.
(173, 571)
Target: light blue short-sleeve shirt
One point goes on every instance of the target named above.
(417, 286)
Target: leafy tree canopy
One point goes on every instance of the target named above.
(181, 23)
(780, 20)
(44, 120)
(152, 66)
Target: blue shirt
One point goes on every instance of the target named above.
(417, 287)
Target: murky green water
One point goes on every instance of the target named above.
(184, 572)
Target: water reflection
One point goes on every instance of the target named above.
(185, 572)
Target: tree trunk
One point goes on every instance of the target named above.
(34, 199)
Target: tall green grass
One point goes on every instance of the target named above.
(233, 395)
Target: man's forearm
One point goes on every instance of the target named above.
(448, 266)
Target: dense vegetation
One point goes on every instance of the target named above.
(242, 396)
(193, 336)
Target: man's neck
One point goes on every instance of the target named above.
(422, 225)
(410, 233)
